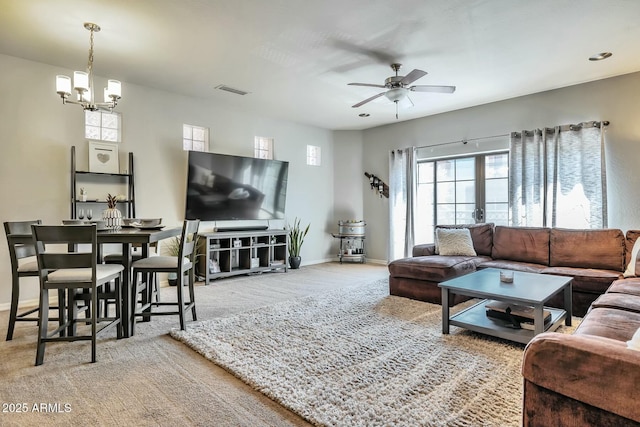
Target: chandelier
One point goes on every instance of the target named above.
(83, 84)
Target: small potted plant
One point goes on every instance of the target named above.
(173, 249)
(83, 194)
(296, 238)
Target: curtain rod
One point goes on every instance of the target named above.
(464, 141)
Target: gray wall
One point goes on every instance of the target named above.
(614, 99)
(37, 132)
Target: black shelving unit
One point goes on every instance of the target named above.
(243, 252)
(80, 177)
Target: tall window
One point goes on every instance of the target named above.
(263, 147)
(461, 191)
(102, 126)
(195, 138)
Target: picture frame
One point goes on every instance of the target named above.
(103, 157)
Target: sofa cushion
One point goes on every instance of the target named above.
(619, 301)
(525, 244)
(424, 249)
(527, 267)
(604, 249)
(454, 241)
(612, 323)
(586, 279)
(435, 268)
(481, 234)
(629, 286)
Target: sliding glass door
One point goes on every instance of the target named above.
(461, 190)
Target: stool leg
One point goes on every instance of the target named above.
(15, 296)
(179, 288)
(42, 325)
(192, 295)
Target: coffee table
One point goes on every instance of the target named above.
(529, 289)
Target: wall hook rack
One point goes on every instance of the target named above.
(378, 185)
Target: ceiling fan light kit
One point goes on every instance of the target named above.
(83, 84)
(398, 87)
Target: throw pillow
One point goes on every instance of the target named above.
(634, 343)
(455, 241)
(631, 268)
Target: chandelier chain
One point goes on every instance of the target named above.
(90, 64)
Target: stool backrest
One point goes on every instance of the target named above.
(70, 235)
(18, 249)
(189, 239)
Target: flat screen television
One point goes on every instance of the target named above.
(223, 187)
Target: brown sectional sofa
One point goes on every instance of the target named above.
(589, 378)
(594, 258)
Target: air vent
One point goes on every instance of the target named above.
(231, 89)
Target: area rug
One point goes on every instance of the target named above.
(359, 357)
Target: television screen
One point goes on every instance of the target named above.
(224, 187)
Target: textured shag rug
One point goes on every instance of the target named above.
(359, 357)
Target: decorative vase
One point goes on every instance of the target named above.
(294, 262)
(112, 218)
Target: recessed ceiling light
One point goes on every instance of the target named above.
(600, 56)
(364, 115)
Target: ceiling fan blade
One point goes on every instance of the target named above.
(379, 55)
(413, 76)
(367, 100)
(429, 88)
(366, 84)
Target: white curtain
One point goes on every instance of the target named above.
(402, 195)
(557, 177)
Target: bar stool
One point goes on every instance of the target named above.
(74, 272)
(181, 265)
(19, 251)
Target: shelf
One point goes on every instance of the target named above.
(125, 175)
(80, 178)
(475, 319)
(261, 251)
(101, 201)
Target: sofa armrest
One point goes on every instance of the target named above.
(595, 370)
(424, 249)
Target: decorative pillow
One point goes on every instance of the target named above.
(454, 241)
(631, 268)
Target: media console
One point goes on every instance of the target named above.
(230, 253)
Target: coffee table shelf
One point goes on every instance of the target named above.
(475, 319)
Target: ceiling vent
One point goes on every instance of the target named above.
(231, 89)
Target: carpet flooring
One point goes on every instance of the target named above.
(359, 357)
(151, 379)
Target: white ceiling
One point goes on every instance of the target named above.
(295, 57)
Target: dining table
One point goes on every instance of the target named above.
(127, 237)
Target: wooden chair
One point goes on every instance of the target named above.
(181, 265)
(19, 253)
(72, 271)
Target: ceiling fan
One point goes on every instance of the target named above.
(398, 87)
